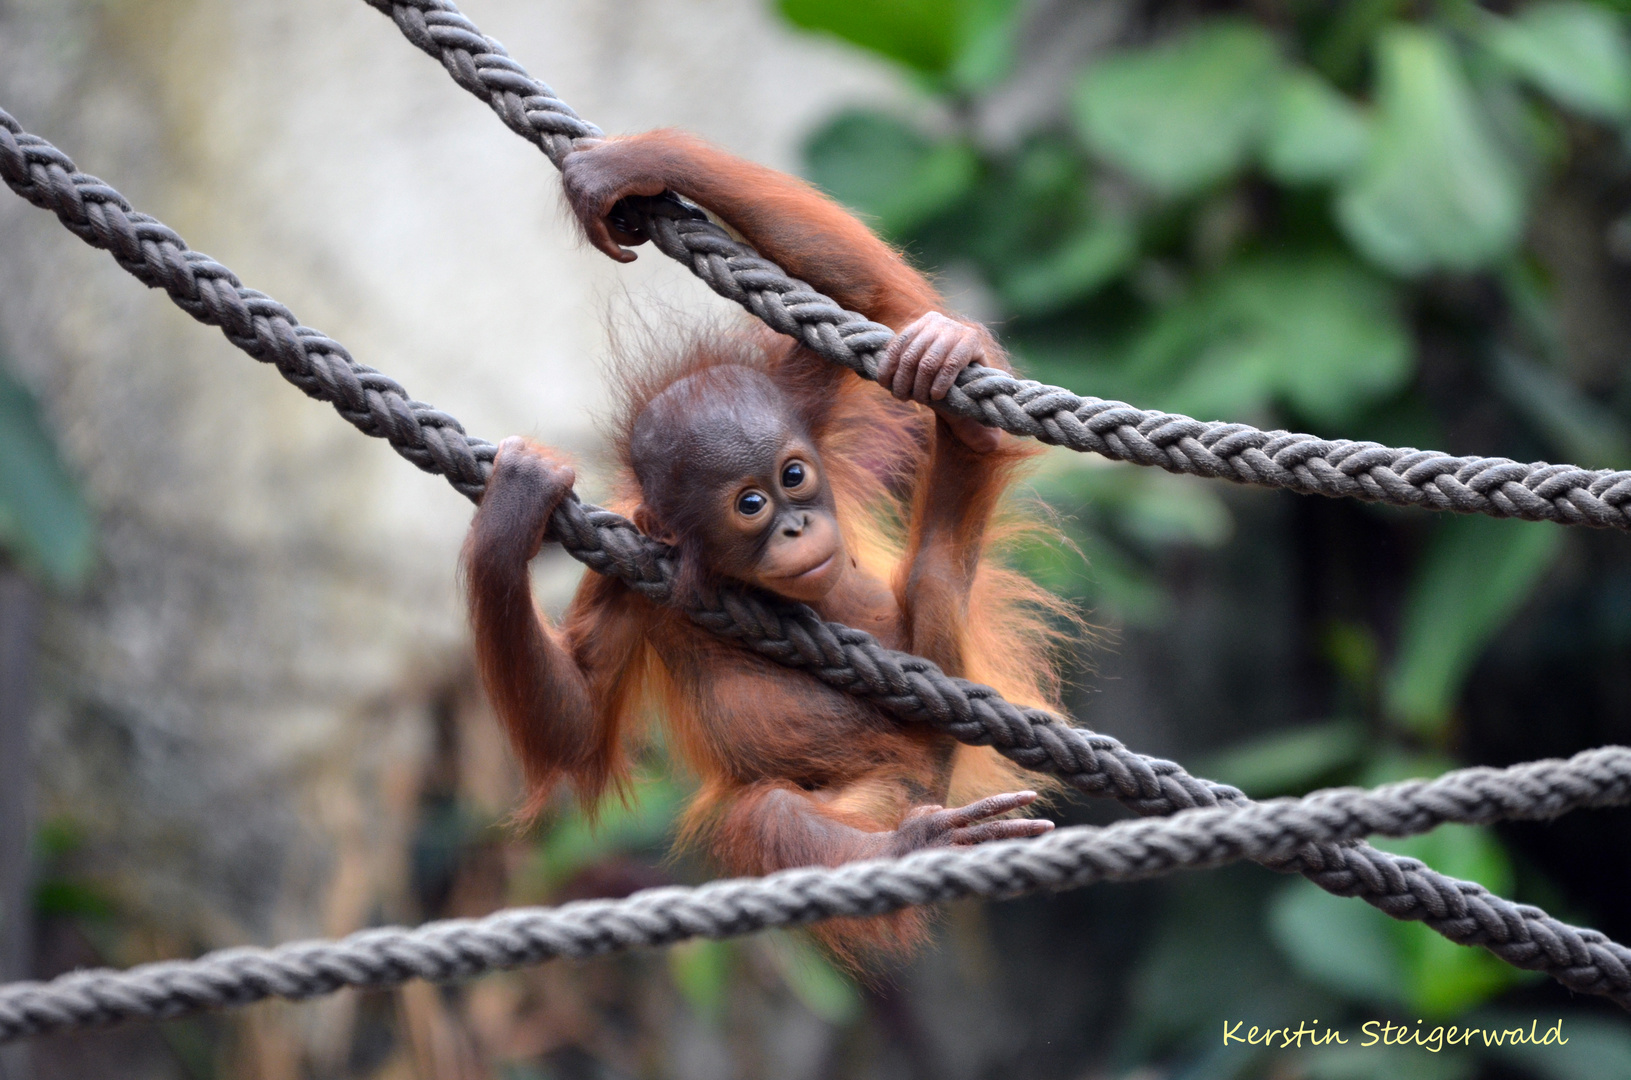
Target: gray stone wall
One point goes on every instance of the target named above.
(235, 716)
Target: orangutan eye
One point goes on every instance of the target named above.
(750, 503)
(793, 474)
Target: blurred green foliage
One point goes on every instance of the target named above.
(1289, 762)
(45, 526)
(822, 988)
(1317, 332)
(1313, 215)
(1474, 574)
(1357, 951)
(641, 821)
(1574, 52)
(57, 892)
(1435, 190)
(951, 44)
(639, 824)
(701, 971)
(904, 177)
(1184, 113)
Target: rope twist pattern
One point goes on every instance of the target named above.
(907, 686)
(1068, 858)
(1339, 468)
(321, 367)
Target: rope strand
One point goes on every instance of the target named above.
(909, 687)
(1069, 858)
(1337, 468)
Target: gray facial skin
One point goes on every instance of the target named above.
(725, 467)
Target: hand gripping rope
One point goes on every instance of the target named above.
(1066, 858)
(911, 688)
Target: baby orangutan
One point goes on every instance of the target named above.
(766, 466)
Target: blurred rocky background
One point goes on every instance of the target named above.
(236, 703)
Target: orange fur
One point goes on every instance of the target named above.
(791, 772)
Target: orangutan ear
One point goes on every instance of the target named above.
(646, 522)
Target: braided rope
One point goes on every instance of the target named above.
(909, 687)
(374, 403)
(483, 66)
(1339, 468)
(1067, 858)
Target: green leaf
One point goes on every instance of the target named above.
(1292, 761)
(1597, 1046)
(1314, 133)
(1339, 49)
(1182, 114)
(1144, 509)
(1112, 583)
(1162, 509)
(921, 34)
(1086, 262)
(1352, 649)
(1338, 943)
(44, 522)
(1328, 331)
(1589, 434)
(1155, 508)
(985, 48)
(1119, 588)
(701, 970)
(1476, 574)
(1435, 189)
(1316, 331)
(971, 41)
(886, 169)
(1053, 562)
(821, 987)
(643, 820)
(1443, 978)
(1210, 933)
(1035, 227)
(59, 897)
(1576, 52)
(1356, 950)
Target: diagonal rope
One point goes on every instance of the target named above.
(908, 687)
(1340, 468)
(160, 259)
(1065, 859)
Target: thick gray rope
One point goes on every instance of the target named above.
(608, 543)
(1339, 468)
(251, 320)
(907, 686)
(1067, 858)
